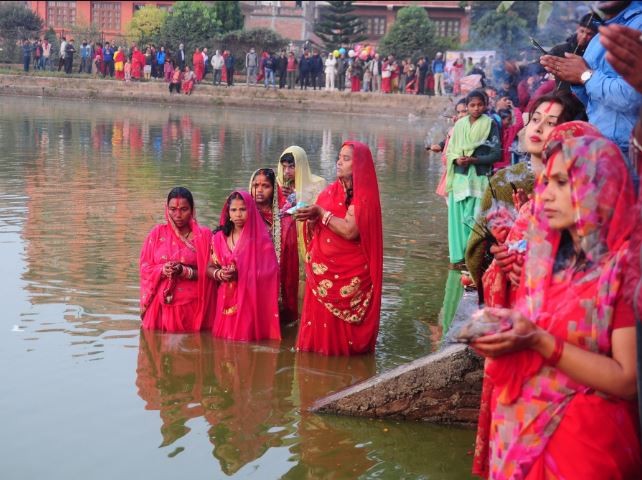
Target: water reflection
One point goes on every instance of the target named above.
(453, 292)
(80, 187)
(249, 394)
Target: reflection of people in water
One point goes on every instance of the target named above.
(235, 386)
(242, 418)
(325, 451)
(452, 296)
(169, 379)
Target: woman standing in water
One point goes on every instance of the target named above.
(344, 260)
(298, 184)
(244, 265)
(473, 148)
(564, 375)
(175, 293)
(270, 202)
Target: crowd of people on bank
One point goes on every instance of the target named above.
(541, 183)
(357, 70)
(541, 179)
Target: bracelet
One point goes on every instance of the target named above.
(326, 217)
(555, 357)
(636, 144)
(187, 272)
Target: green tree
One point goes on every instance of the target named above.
(194, 24)
(17, 22)
(338, 26)
(240, 41)
(412, 35)
(146, 25)
(229, 13)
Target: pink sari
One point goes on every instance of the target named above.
(176, 304)
(247, 308)
(544, 424)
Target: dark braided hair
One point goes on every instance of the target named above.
(228, 226)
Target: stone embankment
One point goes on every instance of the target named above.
(207, 96)
(444, 387)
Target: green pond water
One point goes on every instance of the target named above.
(85, 394)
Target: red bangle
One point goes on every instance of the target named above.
(555, 357)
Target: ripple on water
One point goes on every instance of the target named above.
(80, 187)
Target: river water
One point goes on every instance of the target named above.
(86, 394)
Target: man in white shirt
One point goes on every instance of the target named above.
(63, 48)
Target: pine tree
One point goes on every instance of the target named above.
(338, 27)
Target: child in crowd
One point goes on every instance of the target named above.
(128, 71)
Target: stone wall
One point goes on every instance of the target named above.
(206, 95)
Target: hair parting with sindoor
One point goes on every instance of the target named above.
(228, 226)
(181, 192)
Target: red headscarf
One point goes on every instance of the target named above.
(367, 211)
(154, 284)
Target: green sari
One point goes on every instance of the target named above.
(464, 190)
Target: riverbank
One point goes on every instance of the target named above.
(206, 95)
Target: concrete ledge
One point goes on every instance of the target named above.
(444, 387)
(208, 96)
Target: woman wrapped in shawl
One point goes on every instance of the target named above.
(295, 177)
(473, 148)
(344, 260)
(244, 264)
(564, 375)
(545, 113)
(175, 293)
(270, 201)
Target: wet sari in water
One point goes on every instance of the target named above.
(342, 300)
(544, 424)
(282, 230)
(247, 308)
(177, 304)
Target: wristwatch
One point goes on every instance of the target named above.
(586, 76)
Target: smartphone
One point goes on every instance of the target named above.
(538, 46)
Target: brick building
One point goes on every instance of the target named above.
(291, 19)
(111, 18)
(451, 18)
(295, 19)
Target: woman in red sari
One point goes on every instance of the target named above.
(176, 295)
(564, 375)
(187, 82)
(199, 65)
(344, 260)
(138, 62)
(282, 228)
(244, 264)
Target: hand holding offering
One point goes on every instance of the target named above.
(481, 323)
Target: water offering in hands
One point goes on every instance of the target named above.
(482, 322)
(293, 210)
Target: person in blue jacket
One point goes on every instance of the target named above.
(611, 103)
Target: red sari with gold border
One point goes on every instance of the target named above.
(342, 300)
